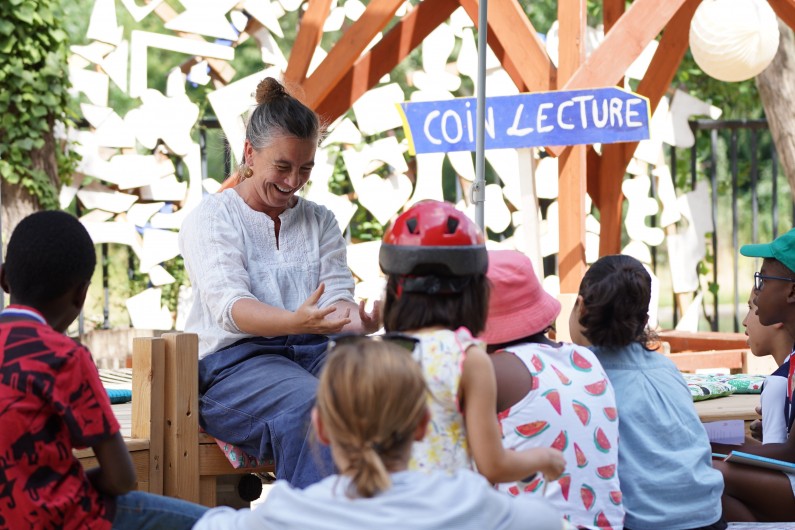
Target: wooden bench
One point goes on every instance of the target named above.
(142, 421)
(192, 461)
(705, 350)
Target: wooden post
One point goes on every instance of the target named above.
(572, 15)
(611, 167)
(181, 474)
(147, 403)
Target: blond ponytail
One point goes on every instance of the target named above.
(371, 399)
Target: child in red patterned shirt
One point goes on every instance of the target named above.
(51, 398)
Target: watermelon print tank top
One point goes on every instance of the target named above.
(570, 407)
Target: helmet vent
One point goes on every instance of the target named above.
(452, 224)
(412, 225)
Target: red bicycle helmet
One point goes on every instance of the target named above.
(433, 238)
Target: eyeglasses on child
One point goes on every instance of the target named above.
(759, 280)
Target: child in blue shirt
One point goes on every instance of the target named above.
(664, 456)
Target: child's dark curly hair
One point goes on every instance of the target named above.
(616, 292)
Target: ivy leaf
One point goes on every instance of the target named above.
(25, 13)
(6, 27)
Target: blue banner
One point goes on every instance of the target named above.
(540, 119)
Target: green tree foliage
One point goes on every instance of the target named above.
(33, 94)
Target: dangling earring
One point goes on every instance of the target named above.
(245, 172)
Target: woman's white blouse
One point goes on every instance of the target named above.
(231, 253)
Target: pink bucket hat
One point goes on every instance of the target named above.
(518, 305)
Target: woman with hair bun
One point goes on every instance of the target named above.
(371, 407)
(270, 280)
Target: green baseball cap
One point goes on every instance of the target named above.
(781, 249)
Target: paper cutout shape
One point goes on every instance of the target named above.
(460, 20)
(336, 18)
(639, 206)
(140, 12)
(496, 213)
(550, 240)
(96, 216)
(463, 164)
(199, 73)
(211, 185)
(206, 18)
(264, 13)
(353, 9)
(381, 196)
(158, 246)
(123, 233)
(160, 276)
(146, 311)
(666, 194)
(239, 20)
(376, 110)
(139, 213)
(69, 191)
(363, 260)
(168, 118)
(271, 53)
(683, 106)
(102, 26)
(345, 132)
(641, 63)
(141, 41)
(93, 84)
(691, 318)
(546, 176)
(291, 5)
(115, 65)
(134, 171)
(192, 162)
(429, 182)
(651, 150)
(505, 163)
(97, 196)
(231, 102)
(111, 130)
(167, 189)
(436, 49)
(94, 52)
(687, 249)
(342, 208)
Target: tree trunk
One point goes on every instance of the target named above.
(17, 203)
(776, 86)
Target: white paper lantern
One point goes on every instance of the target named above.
(733, 40)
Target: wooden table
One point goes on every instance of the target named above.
(734, 407)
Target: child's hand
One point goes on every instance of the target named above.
(756, 426)
(551, 462)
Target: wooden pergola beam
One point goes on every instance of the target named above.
(611, 12)
(309, 34)
(348, 49)
(633, 31)
(785, 9)
(515, 42)
(616, 157)
(573, 17)
(384, 56)
(602, 172)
